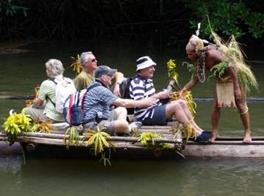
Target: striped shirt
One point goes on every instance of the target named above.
(97, 103)
(141, 88)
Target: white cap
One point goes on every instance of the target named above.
(144, 62)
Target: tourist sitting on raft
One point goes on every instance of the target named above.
(98, 102)
(43, 108)
(160, 113)
(234, 77)
(86, 76)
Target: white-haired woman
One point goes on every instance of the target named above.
(43, 108)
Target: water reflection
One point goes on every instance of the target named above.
(11, 164)
(135, 177)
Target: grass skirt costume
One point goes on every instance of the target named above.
(233, 56)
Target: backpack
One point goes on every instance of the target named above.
(73, 106)
(124, 91)
(64, 88)
(124, 88)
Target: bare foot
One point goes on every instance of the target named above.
(247, 138)
(213, 138)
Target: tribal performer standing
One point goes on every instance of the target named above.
(234, 77)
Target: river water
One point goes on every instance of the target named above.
(27, 176)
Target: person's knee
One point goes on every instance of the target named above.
(242, 108)
(121, 126)
(116, 126)
(172, 108)
(176, 105)
(30, 112)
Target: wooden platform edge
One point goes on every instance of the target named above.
(223, 147)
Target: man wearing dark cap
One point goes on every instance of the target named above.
(99, 100)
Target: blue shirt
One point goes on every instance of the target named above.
(97, 103)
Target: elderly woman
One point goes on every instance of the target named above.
(43, 108)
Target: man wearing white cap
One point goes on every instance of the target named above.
(142, 86)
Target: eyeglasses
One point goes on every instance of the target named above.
(93, 60)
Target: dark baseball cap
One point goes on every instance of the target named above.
(104, 70)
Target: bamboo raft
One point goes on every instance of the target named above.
(56, 138)
(223, 147)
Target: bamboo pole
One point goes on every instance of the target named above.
(42, 137)
(60, 142)
(167, 138)
(25, 136)
(17, 97)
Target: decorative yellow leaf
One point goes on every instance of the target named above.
(98, 139)
(76, 65)
(172, 73)
(16, 123)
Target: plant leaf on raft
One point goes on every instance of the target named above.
(17, 123)
(98, 139)
(71, 136)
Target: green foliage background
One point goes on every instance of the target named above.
(166, 21)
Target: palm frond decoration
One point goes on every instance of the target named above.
(76, 64)
(71, 137)
(45, 126)
(187, 95)
(98, 139)
(172, 73)
(147, 138)
(218, 70)
(17, 123)
(29, 102)
(234, 56)
(189, 132)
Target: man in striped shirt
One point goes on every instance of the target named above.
(99, 100)
(142, 87)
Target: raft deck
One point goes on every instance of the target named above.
(223, 147)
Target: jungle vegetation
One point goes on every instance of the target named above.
(165, 21)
